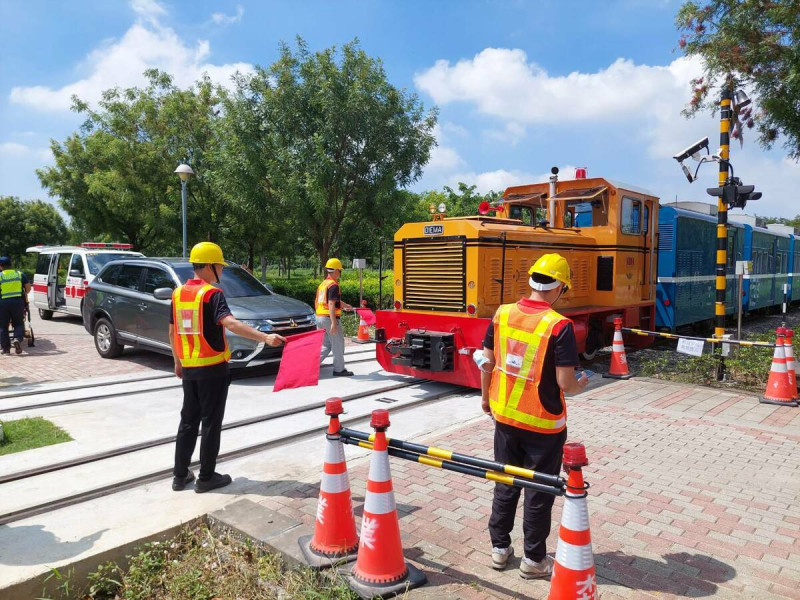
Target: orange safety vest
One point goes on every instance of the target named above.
(190, 343)
(520, 345)
(322, 299)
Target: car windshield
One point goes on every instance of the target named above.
(97, 260)
(235, 282)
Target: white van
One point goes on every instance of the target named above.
(64, 272)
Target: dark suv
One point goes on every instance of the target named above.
(128, 304)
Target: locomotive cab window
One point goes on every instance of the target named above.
(523, 213)
(631, 216)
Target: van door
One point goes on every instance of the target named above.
(57, 285)
(40, 280)
(73, 291)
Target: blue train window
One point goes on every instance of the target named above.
(631, 219)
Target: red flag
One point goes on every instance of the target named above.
(367, 315)
(300, 361)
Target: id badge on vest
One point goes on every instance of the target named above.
(515, 355)
(187, 320)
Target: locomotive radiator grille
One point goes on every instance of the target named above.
(434, 274)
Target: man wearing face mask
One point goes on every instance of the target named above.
(200, 316)
(530, 354)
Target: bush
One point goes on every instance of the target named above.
(305, 288)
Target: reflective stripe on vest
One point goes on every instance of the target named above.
(322, 299)
(10, 284)
(520, 346)
(190, 344)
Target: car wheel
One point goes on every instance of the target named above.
(45, 315)
(105, 339)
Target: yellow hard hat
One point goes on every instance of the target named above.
(206, 253)
(551, 265)
(334, 263)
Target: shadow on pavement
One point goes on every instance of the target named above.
(681, 573)
(33, 545)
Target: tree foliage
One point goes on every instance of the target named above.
(25, 224)
(753, 45)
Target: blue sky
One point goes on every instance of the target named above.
(521, 86)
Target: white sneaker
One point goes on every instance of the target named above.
(530, 569)
(500, 557)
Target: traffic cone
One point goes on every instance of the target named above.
(779, 390)
(619, 362)
(573, 572)
(335, 539)
(363, 328)
(380, 569)
(791, 367)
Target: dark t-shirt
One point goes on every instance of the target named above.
(562, 351)
(215, 308)
(335, 294)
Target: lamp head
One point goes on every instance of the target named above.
(184, 171)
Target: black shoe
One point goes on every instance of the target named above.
(217, 481)
(5, 352)
(179, 483)
(343, 373)
(17, 347)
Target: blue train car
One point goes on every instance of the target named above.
(770, 253)
(794, 268)
(687, 244)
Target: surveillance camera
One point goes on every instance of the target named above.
(692, 150)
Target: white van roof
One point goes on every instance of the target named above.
(94, 248)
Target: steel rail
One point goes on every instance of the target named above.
(116, 394)
(106, 490)
(121, 451)
(448, 465)
(488, 465)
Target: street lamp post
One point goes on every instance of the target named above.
(184, 171)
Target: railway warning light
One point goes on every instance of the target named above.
(471, 309)
(397, 305)
(734, 194)
(581, 172)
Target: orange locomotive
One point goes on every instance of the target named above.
(451, 274)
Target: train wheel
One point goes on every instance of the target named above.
(589, 356)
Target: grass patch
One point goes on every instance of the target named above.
(199, 565)
(26, 434)
(746, 367)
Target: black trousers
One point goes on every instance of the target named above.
(12, 311)
(540, 452)
(203, 402)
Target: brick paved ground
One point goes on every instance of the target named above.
(65, 351)
(693, 494)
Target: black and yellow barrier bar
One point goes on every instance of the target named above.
(449, 465)
(675, 336)
(463, 459)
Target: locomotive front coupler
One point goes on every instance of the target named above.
(426, 350)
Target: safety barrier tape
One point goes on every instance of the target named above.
(675, 336)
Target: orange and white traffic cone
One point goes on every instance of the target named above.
(791, 367)
(363, 328)
(381, 569)
(573, 572)
(335, 539)
(779, 390)
(619, 362)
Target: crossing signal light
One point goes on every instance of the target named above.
(734, 194)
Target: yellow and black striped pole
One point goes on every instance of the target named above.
(725, 111)
(455, 467)
(465, 459)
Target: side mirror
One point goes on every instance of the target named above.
(163, 294)
(75, 273)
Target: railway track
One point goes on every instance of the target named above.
(77, 498)
(117, 394)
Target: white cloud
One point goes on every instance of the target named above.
(502, 82)
(223, 19)
(14, 150)
(500, 179)
(122, 63)
(444, 158)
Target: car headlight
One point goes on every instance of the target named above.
(260, 324)
(313, 319)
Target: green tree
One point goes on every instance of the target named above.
(25, 224)
(341, 137)
(115, 176)
(749, 44)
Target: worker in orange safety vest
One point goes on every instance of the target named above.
(200, 316)
(328, 306)
(528, 363)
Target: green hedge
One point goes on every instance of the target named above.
(305, 289)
